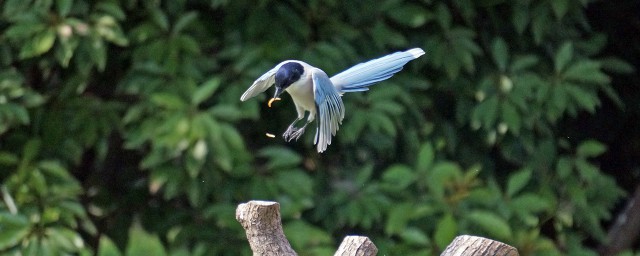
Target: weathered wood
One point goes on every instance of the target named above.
(263, 226)
(356, 246)
(478, 246)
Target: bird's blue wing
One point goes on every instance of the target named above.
(261, 84)
(361, 76)
(330, 110)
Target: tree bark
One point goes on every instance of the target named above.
(356, 246)
(625, 229)
(477, 246)
(263, 226)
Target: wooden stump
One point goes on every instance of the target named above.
(356, 246)
(478, 246)
(263, 227)
(262, 224)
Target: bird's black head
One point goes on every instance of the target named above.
(287, 74)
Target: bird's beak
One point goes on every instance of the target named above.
(275, 96)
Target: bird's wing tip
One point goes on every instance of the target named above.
(416, 52)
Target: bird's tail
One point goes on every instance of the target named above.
(359, 77)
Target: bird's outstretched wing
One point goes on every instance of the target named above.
(330, 109)
(261, 84)
(361, 76)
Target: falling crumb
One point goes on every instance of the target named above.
(272, 100)
(270, 135)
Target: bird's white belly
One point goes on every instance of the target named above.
(302, 94)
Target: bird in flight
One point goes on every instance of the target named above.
(314, 92)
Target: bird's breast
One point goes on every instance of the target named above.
(302, 92)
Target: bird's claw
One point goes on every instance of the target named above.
(287, 134)
(296, 134)
(292, 133)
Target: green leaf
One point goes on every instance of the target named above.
(303, 235)
(560, 7)
(107, 247)
(530, 203)
(143, 243)
(65, 51)
(495, 226)
(588, 171)
(194, 192)
(398, 218)
(112, 9)
(14, 228)
(110, 30)
(295, 183)
(184, 21)
(364, 174)
(564, 167)
(500, 53)
(521, 63)
(540, 24)
(38, 182)
(389, 107)
(232, 137)
(486, 112)
(7, 158)
(415, 236)
(160, 18)
(440, 174)
(520, 18)
(226, 112)
(443, 17)
(617, 65)
(39, 44)
(563, 56)
(24, 30)
(205, 90)
(426, 155)
(446, 230)
(64, 6)
(168, 100)
(30, 150)
(511, 117)
(586, 71)
(98, 54)
(65, 239)
(280, 157)
(517, 181)
(379, 121)
(585, 99)
(398, 177)
(19, 112)
(410, 15)
(558, 101)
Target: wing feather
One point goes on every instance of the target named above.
(361, 76)
(261, 84)
(330, 109)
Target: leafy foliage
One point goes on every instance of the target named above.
(121, 130)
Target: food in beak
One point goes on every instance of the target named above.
(272, 100)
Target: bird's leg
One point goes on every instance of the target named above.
(291, 129)
(298, 132)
